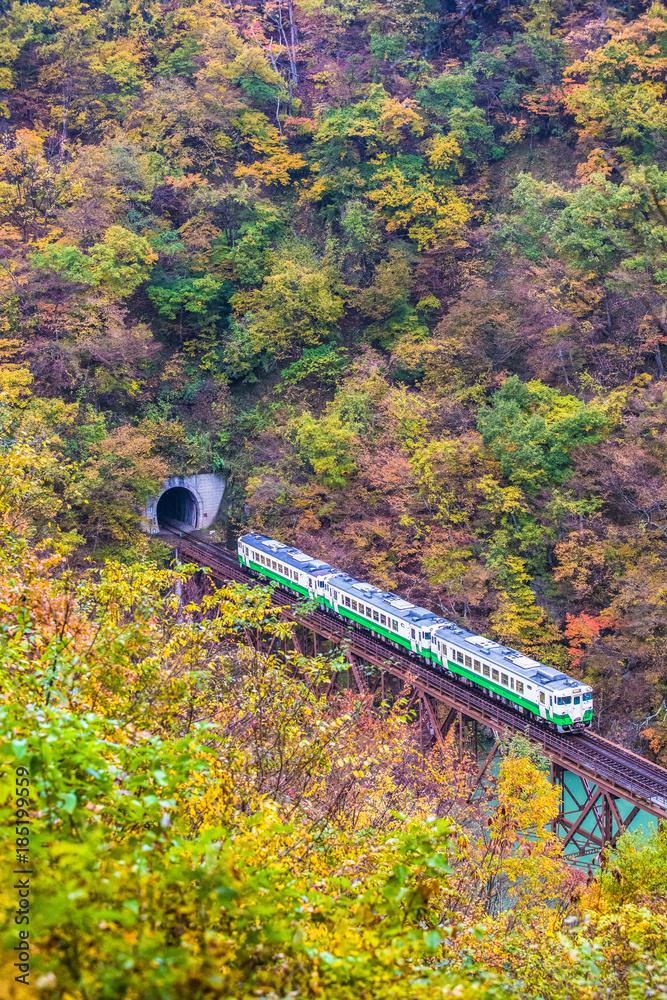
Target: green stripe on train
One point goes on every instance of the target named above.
(279, 579)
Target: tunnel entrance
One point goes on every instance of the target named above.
(177, 504)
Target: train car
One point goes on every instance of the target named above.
(510, 676)
(502, 673)
(395, 619)
(289, 567)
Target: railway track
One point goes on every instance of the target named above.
(618, 771)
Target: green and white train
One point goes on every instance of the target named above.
(504, 674)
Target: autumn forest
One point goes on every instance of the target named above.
(397, 270)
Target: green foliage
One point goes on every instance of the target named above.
(533, 430)
(327, 444)
(298, 305)
(119, 264)
(518, 747)
(192, 295)
(323, 365)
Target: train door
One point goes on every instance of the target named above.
(543, 705)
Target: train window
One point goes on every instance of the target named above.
(504, 679)
(427, 636)
(383, 620)
(468, 661)
(394, 625)
(577, 700)
(512, 683)
(564, 701)
(321, 583)
(486, 670)
(542, 698)
(478, 666)
(369, 612)
(459, 656)
(412, 632)
(347, 602)
(519, 687)
(376, 616)
(495, 675)
(588, 696)
(274, 563)
(354, 605)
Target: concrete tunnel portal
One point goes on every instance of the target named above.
(178, 504)
(193, 501)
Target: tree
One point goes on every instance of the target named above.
(298, 304)
(33, 185)
(532, 430)
(117, 265)
(327, 444)
(620, 98)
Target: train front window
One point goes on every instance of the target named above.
(564, 701)
(588, 696)
(577, 700)
(427, 636)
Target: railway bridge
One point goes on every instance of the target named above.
(604, 788)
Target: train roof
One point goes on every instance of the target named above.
(503, 656)
(391, 604)
(288, 554)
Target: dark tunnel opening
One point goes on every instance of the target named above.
(177, 504)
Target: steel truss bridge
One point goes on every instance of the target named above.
(614, 785)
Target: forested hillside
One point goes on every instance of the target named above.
(400, 269)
